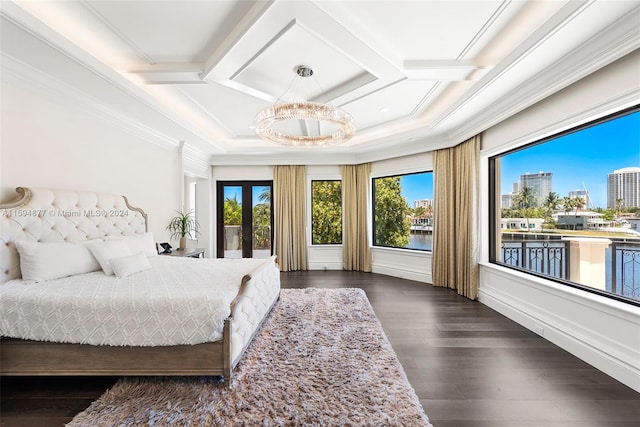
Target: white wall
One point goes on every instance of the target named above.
(205, 207)
(47, 141)
(603, 332)
(68, 121)
(409, 264)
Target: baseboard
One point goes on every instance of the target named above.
(402, 273)
(587, 345)
(325, 265)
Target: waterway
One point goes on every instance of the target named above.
(627, 270)
(420, 241)
(632, 276)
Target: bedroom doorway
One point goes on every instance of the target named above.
(245, 219)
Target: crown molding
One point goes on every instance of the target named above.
(142, 54)
(32, 78)
(35, 28)
(568, 12)
(195, 162)
(167, 127)
(289, 158)
(320, 156)
(609, 106)
(617, 40)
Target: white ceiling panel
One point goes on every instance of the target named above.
(171, 31)
(415, 30)
(273, 69)
(233, 111)
(405, 69)
(397, 101)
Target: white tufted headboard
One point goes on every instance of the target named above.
(46, 215)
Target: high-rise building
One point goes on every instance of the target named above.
(624, 184)
(507, 201)
(424, 203)
(540, 184)
(584, 194)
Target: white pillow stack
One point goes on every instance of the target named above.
(127, 265)
(119, 255)
(138, 243)
(52, 260)
(105, 251)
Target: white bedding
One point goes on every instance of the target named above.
(166, 305)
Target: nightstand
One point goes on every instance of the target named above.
(188, 252)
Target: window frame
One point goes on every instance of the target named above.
(247, 214)
(495, 196)
(373, 210)
(311, 181)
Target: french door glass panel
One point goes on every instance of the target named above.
(232, 220)
(261, 221)
(245, 229)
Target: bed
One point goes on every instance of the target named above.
(148, 315)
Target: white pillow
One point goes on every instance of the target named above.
(127, 265)
(52, 260)
(138, 242)
(104, 251)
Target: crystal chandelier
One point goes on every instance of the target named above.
(268, 119)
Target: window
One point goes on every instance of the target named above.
(576, 196)
(191, 197)
(403, 211)
(245, 219)
(326, 212)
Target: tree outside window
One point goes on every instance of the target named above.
(326, 212)
(403, 211)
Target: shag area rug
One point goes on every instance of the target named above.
(320, 359)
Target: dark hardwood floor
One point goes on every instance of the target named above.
(469, 365)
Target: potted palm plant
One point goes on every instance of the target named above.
(183, 225)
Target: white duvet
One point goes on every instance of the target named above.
(177, 301)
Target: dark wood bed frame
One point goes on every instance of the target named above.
(20, 357)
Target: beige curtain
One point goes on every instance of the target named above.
(356, 254)
(289, 212)
(495, 253)
(455, 217)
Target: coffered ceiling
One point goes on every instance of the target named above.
(415, 75)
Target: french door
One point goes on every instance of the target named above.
(244, 219)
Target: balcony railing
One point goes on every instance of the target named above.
(261, 239)
(542, 256)
(550, 256)
(625, 271)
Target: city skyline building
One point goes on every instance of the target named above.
(506, 201)
(584, 194)
(624, 184)
(540, 184)
(424, 203)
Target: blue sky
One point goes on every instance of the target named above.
(231, 191)
(417, 186)
(587, 156)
